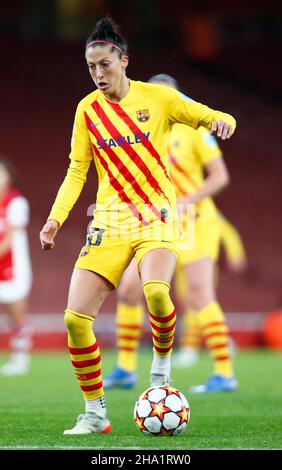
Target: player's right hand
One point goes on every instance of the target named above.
(48, 234)
(222, 130)
(237, 267)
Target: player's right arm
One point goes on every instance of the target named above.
(69, 192)
(184, 110)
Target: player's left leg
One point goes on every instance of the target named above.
(156, 270)
(20, 341)
(93, 278)
(88, 290)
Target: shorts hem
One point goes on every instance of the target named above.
(157, 248)
(101, 273)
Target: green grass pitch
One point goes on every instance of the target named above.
(35, 410)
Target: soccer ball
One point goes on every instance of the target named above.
(161, 411)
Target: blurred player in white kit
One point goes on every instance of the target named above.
(15, 271)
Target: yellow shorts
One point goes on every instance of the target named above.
(206, 242)
(109, 256)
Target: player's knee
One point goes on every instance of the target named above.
(75, 324)
(156, 296)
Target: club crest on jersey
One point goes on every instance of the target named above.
(143, 115)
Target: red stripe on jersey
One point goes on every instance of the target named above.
(135, 129)
(87, 350)
(122, 348)
(163, 319)
(118, 187)
(173, 161)
(126, 173)
(133, 155)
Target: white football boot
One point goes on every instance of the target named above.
(89, 423)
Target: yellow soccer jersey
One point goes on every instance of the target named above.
(189, 152)
(126, 141)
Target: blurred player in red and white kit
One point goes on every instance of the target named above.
(15, 271)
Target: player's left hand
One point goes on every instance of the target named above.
(221, 129)
(48, 233)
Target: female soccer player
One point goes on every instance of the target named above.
(191, 154)
(123, 127)
(15, 270)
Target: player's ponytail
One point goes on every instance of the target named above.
(107, 32)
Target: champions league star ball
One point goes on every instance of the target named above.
(162, 411)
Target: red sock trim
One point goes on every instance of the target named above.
(90, 362)
(87, 350)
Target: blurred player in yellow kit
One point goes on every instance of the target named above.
(190, 153)
(190, 335)
(122, 126)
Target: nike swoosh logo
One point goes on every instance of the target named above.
(95, 124)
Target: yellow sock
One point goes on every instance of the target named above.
(129, 322)
(85, 354)
(212, 322)
(162, 316)
(190, 333)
